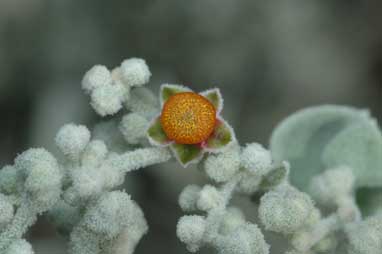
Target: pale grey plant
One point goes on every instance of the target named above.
(304, 185)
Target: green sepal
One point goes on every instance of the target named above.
(275, 176)
(215, 97)
(221, 137)
(187, 154)
(168, 90)
(156, 134)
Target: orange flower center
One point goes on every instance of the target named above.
(188, 118)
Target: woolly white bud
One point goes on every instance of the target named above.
(94, 153)
(133, 127)
(188, 197)
(209, 198)
(365, 237)
(135, 72)
(42, 177)
(72, 139)
(232, 219)
(222, 166)
(246, 239)
(6, 211)
(190, 230)
(256, 158)
(96, 77)
(19, 247)
(107, 100)
(330, 186)
(111, 214)
(8, 179)
(285, 210)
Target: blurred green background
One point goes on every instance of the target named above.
(270, 58)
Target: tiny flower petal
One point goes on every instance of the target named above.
(215, 97)
(187, 154)
(155, 133)
(168, 90)
(222, 136)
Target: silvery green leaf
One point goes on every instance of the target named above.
(302, 138)
(359, 147)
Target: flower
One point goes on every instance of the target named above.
(190, 123)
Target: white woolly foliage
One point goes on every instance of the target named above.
(107, 100)
(222, 166)
(109, 90)
(112, 225)
(96, 77)
(190, 230)
(285, 210)
(365, 237)
(189, 197)
(42, 177)
(256, 162)
(110, 215)
(6, 211)
(72, 139)
(256, 159)
(19, 247)
(81, 198)
(133, 127)
(250, 183)
(209, 198)
(246, 239)
(331, 185)
(135, 72)
(128, 239)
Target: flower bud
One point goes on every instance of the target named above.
(96, 77)
(256, 158)
(133, 127)
(135, 72)
(190, 230)
(189, 197)
(72, 139)
(285, 210)
(209, 198)
(222, 166)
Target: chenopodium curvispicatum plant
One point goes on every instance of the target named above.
(303, 187)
